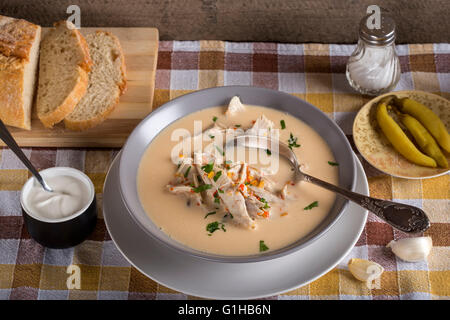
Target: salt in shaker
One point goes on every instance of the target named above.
(374, 68)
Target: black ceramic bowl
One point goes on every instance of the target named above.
(62, 232)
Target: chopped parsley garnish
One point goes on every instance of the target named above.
(293, 142)
(331, 163)
(187, 172)
(216, 198)
(220, 150)
(228, 214)
(213, 226)
(268, 152)
(237, 125)
(262, 246)
(210, 213)
(211, 136)
(312, 205)
(214, 119)
(208, 168)
(283, 124)
(217, 176)
(202, 188)
(266, 205)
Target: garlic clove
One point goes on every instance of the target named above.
(412, 249)
(365, 270)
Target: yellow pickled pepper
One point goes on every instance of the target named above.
(427, 118)
(424, 139)
(399, 139)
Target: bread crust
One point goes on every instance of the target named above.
(123, 68)
(12, 84)
(17, 37)
(81, 125)
(79, 90)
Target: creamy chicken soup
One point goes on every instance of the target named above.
(235, 206)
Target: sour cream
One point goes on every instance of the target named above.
(71, 194)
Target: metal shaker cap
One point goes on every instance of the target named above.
(379, 37)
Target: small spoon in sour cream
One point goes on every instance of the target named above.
(403, 217)
(6, 136)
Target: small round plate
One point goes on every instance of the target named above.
(209, 279)
(378, 151)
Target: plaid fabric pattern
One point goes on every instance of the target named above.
(313, 72)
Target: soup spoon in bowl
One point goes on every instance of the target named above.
(6, 136)
(401, 216)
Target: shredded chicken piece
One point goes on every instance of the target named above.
(262, 193)
(185, 173)
(232, 199)
(253, 207)
(235, 106)
(243, 173)
(186, 191)
(286, 194)
(261, 127)
(241, 193)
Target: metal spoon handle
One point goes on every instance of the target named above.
(6, 136)
(401, 216)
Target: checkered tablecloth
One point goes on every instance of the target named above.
(314, 72)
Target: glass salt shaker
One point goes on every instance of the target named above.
(374, 67)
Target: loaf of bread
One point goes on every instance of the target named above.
(107, 82)
(19, 54)
(64, 65)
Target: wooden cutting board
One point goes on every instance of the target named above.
(140, 46)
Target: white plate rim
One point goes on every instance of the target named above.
(361, 182)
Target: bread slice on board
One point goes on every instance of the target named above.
(19, 55)
(64, 65)
(106, 82)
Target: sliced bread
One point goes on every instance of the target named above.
(19, 55)
(106, 82)
(64, 65)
